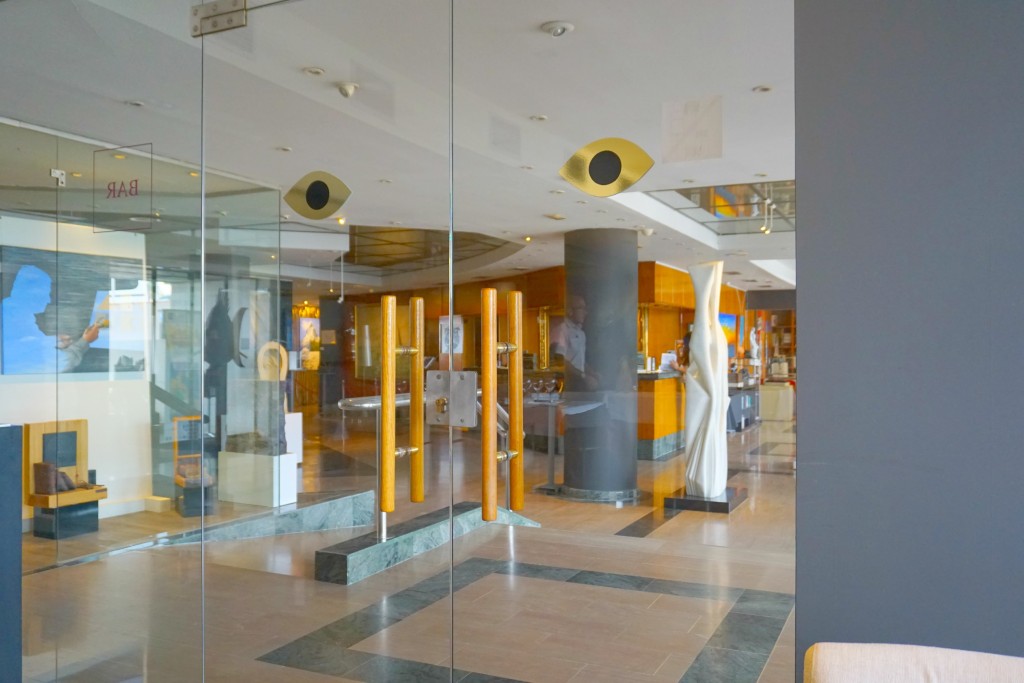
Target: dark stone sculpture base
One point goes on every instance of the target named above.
(725, 503)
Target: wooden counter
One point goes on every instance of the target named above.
(661, 406)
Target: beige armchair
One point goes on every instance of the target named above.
(883, 663)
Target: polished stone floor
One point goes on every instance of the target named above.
(600, 592)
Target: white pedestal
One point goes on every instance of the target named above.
(293, 433)
(776, 401)
(266, 480)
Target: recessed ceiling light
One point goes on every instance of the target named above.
(120, 157)
(76, 174)
(732, 272)
(384, 181)
(538, 117)
(341, 220)
(528, 238)
(135, 103)
(762, 88)
(621, 220)
(760, 175)
(526, 167)
(305, 302)
(602, 210)
(143, 219)
(748, 280)
(283, 148)
(689, 180)
(314, 71)
(348, 89)
(396, 222)
(273, 256)
(555, 216)
(557, 191)
(581, 201)
(285, 216)
(222, 212)
(194, 174)
(557, 29)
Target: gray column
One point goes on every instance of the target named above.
(600, 422)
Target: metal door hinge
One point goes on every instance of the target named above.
(214, 17)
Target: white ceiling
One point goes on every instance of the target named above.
(70, 65)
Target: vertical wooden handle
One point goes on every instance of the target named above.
(387, 404)
(489, 403)
(515, 398)
(416, 399)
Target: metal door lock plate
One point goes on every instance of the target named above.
(450, 398)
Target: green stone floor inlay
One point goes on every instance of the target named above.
(737, 651)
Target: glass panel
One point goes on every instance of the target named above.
(611, 152)
(100, 222)
(335, 114)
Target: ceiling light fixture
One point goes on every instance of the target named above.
(538, 117)
(283, 148)
(341, 220)
(556, 191)
(348, 89)
(194, 174)
(761, 88)
(557, 29)
(314, 71)
(528, 238)
(135, 103)
(555, 216)
(76, 174)
(526, 167)
(120, 157)
(384, 181)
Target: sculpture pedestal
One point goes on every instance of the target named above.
(725, 503)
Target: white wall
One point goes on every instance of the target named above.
(117, 409)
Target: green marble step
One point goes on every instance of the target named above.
(314, 512)
(357, 558)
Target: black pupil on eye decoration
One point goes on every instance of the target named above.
(317, 195)
(605, 167)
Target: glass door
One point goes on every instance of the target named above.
(325, 282)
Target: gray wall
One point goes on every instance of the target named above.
(10, 550)
(910, 164)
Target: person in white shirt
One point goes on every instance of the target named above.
(569, 346)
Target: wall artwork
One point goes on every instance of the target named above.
(309, 343)
(73, 313)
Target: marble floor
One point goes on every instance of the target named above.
(601, 592)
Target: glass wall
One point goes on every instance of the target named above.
(202, 240)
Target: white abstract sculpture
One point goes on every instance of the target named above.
(755, 345)
(707, 389)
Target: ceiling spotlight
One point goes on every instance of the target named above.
(120, 157)
(538, 117)
(768, 231)
(762, 88)
(760, 175)
(341, 220)
(194, 174)
(689, 180)
(528, 238)
(76, 174)
(556, 191)
(526, 167)
(305, 302)
(348, 89)
(283, 148)
(314, 71)
(764, 229)
(555, 216)
(135, 103)
(557, 29)
(647, 232)
(384, 181)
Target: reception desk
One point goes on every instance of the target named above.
(661, 406)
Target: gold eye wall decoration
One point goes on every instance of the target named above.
(606, 166)
(317, 195)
